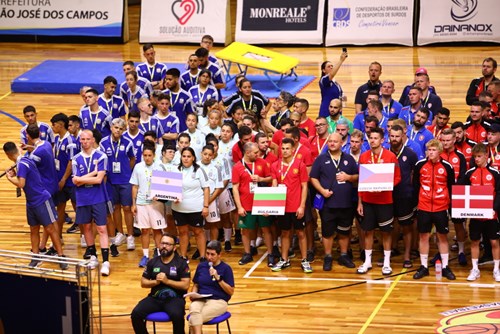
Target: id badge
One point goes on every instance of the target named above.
(340, 182)
(58, 164)
(253, 186)
(116, 167)
(173, 272)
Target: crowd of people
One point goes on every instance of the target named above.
(103, 159)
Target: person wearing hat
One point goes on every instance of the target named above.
(420, 71)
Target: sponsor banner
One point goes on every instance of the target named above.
(472, 202)
(280, 21)
(376, 177)
(458, 21)
(166, 185)
(363, 22)
(269, 200)
(184, 21)
(62, 17)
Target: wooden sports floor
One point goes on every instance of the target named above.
(340, 301)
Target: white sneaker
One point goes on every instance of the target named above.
(363, 269)
(119, 239)
(386, 270)
(259, 242)
(496, 275)
(105, 268)
(475, 274)
(130, 242)
(93, 263)
(83, 243)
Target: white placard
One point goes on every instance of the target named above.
(280, 21)
(62, 17)
(184, 21)
(376, 177)
(458, 21)
(362, 22)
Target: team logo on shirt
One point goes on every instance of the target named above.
(158, 70)
(259, 168)
(404, 158)
(468, 150)
(156, 270)
(489, 177)
(181, 100)
(63, 147)
(440, 171)
(429, 105)
(346, 162)
(296, 171)
(115, 105)
(122, 147)
(421, 137)
(98, 121)
(139, 143)
(454, 160)
(483, 134)
(299, 156)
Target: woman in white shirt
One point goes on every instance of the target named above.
(193, 208)
(196, 135)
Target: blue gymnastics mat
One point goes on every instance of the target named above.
(68, 76)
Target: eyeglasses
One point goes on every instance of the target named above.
(319, 125)
(167, 244)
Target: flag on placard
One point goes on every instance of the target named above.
(269, 200)
(376, 177)
(472, 202)
(166, 185)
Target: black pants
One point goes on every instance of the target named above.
(174, 307)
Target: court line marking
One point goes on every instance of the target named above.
(381, 303)
(256, 264)
(8, 114)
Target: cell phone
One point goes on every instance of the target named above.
(344, 50)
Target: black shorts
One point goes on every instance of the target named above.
(490, 229)
(194, 219)
(404, 210)
(63, 195)
(336, 220)
(426, 219)
(290, 219)
(377, 216)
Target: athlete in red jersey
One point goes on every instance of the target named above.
(245, 135)
(462, 143)
(319, 141)
(476, 128)
(264, 150)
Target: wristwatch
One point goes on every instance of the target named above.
(220, 279)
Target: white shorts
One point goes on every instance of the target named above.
(150, 216)
(213, 212)
(226, 202)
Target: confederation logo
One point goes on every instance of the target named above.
(341, 17)
(183, 10)
(473, 319)
(463, 10)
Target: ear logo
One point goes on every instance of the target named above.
(183, 10)
(463, 10)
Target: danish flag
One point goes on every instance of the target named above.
(472, 202)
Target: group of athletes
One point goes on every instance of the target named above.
(103, 159)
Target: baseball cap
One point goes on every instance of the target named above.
(421, 70)
(495, 127)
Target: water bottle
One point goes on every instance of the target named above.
(438, 269)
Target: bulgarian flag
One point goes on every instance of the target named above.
(269, 200)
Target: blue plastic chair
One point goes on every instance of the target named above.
(157, 317)
(217, 320)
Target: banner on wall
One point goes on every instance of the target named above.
(362, 22)
(458, 21)
(62, 18)
(184, 21)
(280, 21)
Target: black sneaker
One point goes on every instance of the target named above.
(449, 274)
(435, 258)
(196, 255)
(237, 237)
(246, 258)
(462, 259)
(73, 229)
(395, 252)
(114, 250)
(327, 263)
(63, 265)
(270, 261)
(221, 235)
(35, 262)
(253, 250)
(137, 232)
(345, 260)
(421, 272)
(349, 253)
(276, 252)
(87, 254)
(42, 251)
(51, 251)
(67, 219)
(485, 259)
(227, 246)
(291, 253)
(310, 256)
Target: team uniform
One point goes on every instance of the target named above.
(256, 104)
(197, 141)
(420, 137)
(466, 148)
(137, 141)
(64, 151)
(330, 89)
(226, 201)
(115, 106)
(168, 124)
(431, 102)
(180, 106)
(46, 133)
(403, 192)
(476, 87)
(197, 97)
(214, 175)
(134, 96)
(317, 146)
(436, 133)
(494, 157)
(144, 84)
(99, 120)
(362, 92)
(393, 109)
(43, 157)
(277, 117)
(157, 72)
(476, 131)
(332, 124)
(152, 124)
(217, 73)
(406, 91)
(408, 114)
(187, 80)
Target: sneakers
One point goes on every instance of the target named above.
(253, 250)
(345, 260)
(73, 229)
(276, 252)
(93, 263)
(63, 265)
(448, 274)
(227, 246)
(51, 251)
(35, 262)
(291, 253)
(83, 242)
(310, 256)
(474, 275)
(363, 269)
(88, 254)
(462, 259)
(105, 268)
(237, 238)
(259, 242)
(421, 272)
(196, 255)
(386, 270)
(282, 264)
(246, 258)
(143, 262)
(114, 250)
(496, 275)
(270, 260)
(119, 239)
(306, 266)
(327, 263)
(130, 243)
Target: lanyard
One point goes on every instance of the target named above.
(280, 117)
(93, 121)
(109, 104)
(426, 99)
(436, 135)
(193, 79)
(322, 146)
(379, 156)
(151, 71)
(400, 151)
(115, 152)
(388, 107)
(337, 163)
(297, 151)
(493, 155)
(413, 134)
(202, 95)
(89, 163)
(287, 170)
(174, 101)
(148, 123)
(249, 105)
(250, 172)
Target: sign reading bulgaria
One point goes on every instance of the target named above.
(472, 202)
(269, 200)
(376, 177)
(166, 185)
